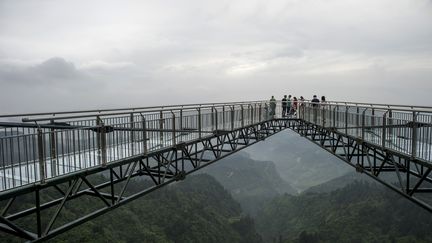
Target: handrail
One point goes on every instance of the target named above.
(124, 109)
(147, 110)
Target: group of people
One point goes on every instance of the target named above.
(290, 105)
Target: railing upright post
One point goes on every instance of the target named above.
(414, 136)
(335, 115)
(199, 122)
(260, 113)
(232, 118)
(323, 116)
(101, 141)
(251, 114)
(181, 119)
(357, 120)
(242, 116)
(161, 125)
(144, 127)
(346, 119)
(216, 118)
(223, 117)
(173, 129)
(363, 124)
(41, 147)
(254, 113)
(384, 130)
(53, 151)
(132, 126)
(390, 122)
(212, 118)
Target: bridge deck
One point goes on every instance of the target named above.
(58, 145)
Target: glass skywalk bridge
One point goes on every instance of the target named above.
(62, 150)
(44, 146)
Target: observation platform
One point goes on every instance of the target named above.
(60, 150)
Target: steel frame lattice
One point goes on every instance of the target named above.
(413, 177)
(96, 154)
(162, 167)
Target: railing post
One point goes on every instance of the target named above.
(242, 116)
(346, 119)
(335, 115)
(390, 122)
(223, 117)
(161, 125)
(53, 151)
(254, 113)
(101, 139)
(216, 118)
(212, 118)
(181, 119)
(414, 136)
(132, 126)
(144, 127)
(251, 113)
(357, 119)
(323, 116)
(363, 123)
(260, 119)
(232, 118)
(173, 129)
(199, 122)
(41, 146)
(384, 130)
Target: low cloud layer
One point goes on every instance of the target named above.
(80, 54)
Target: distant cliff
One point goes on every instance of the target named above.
(250, 182)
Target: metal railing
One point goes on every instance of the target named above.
(40, 146)
(403, 129)
(47, 145)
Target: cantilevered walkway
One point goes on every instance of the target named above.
(62, 152)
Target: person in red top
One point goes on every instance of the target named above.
(294, 105)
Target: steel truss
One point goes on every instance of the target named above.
(413, 176)
(161, 167)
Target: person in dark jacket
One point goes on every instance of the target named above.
(284, 106)
(315, 101)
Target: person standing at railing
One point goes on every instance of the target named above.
(294, 106)
(289, 105)
(301, 101)
(323, 103)
(272, 106)
(284, 106)
(315, 104)
(315, 101)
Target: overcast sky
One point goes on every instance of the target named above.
(63, 54)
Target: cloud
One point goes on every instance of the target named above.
(103, 65)
(50, 72)
(107, 53)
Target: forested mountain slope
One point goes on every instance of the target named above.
(197, 209)
(358, 212)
